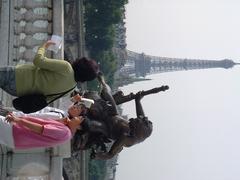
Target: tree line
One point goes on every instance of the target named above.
(100, 17)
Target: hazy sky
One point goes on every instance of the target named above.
(206, 29)
(196, 123)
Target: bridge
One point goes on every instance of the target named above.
(141, 64)
(24, 26)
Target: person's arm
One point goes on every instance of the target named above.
(35, 127)
(56, 65)
(41, 51)
(49, 115)
(115, 149)
(45, 113)
(106, 93)
(139, 108)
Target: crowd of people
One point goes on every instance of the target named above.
(50, 127)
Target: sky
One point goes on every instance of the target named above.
(201, 29)
(203, 147)
(195, 128)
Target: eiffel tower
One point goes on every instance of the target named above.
(142, 65)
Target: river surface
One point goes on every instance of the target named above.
(196, 128)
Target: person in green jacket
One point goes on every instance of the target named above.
(45, 75)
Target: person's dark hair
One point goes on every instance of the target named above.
(145, 128)
(85, 69)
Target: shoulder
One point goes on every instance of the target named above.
(67, 67)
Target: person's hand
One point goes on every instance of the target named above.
(65, 120)
(80, 119)
(76, 98)
(139, 95)
(48, 43)
(4, 112)
(98, 155)
(11, 118)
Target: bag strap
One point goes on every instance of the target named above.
(61, 92)
(60, 95)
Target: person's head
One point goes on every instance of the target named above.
(85, 69)
(140, 129)
(76, 109)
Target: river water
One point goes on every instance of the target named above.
(196, 128)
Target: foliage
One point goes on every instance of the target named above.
(100, 18)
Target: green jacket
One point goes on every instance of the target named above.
(45, 75)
